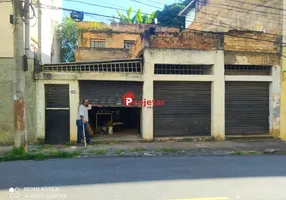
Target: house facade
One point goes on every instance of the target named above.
(207, 84)
(222, 16)
(50, 53)
(98, 41)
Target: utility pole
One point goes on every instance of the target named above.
(39, 32)
(20, 129)
(27, 28)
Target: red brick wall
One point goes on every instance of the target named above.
(185, 40)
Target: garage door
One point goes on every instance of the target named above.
(186, 111)
(108, 93)
(246, 108)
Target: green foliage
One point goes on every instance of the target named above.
(138, 18)
(67, 32)
(169, 15)
(20, 154)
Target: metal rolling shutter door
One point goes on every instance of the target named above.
(246, 108)
(108, 93)
(186, 111)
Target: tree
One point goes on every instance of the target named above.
(137, 18)
(169, 15)
(68, 34)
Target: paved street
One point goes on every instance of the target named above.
(209, 178)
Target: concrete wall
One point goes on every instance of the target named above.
(221, 16)
(283, 95)
(283, 79)
(180, 56)
(6, 103)
(40, 106)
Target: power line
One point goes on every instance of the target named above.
(229, 7)
(163, 3)
(102, 6)
(146, 4)
(94, 14)
(271, 7)
(66, 9)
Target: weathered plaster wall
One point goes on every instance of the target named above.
(112, 40)
(6, 101)
(93, 54)
(283, 98)
(224, 15)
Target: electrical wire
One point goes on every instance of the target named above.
(146, 4)
(102, 6)
(259, 5)
(240, 9)
(94, 14)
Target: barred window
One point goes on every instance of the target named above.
(97, 43)
(183, 69)
(247, 70)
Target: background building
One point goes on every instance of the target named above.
(50, 46)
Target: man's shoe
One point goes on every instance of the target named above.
(90, 143)
(79, 144)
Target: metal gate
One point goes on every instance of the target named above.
(186, 111)
(246, 108)
(109, 93)
(57, 114)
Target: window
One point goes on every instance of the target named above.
(128, 44)
(97, 43)
(183, 69)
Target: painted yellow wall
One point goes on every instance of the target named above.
(112, 40)
(6, 30)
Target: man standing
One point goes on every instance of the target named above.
(82, 120)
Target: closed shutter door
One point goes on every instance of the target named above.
(186, 111)
(246, 108)
(108, 93)
(57, 113)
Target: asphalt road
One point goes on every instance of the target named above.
(209, 178)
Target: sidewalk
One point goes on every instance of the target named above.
(208, 148)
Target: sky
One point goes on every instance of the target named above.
(153, 5)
